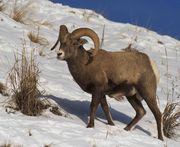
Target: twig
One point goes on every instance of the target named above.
(102, 39)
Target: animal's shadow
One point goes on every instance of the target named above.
(81, 110)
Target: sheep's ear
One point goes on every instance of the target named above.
(82, 41)
(63, 32)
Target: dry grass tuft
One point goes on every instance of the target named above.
(102, 39)
(24, 78)
(44, 23)
(48, 145)
(2, 6)
(171, 120)
(9, 145)
(55, 110)
(19, 13)
(160, 42)
(129, 48)
(3, 89)
(36, 38)
(24, 81)
(5, 145)
(87, 15)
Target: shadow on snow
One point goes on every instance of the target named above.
(81, 110)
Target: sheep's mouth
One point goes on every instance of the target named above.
(60, 58)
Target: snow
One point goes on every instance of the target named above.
(55, 79)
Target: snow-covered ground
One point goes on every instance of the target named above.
(55, 79)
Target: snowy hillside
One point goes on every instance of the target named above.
(55, 79)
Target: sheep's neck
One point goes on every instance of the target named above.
(78, 62)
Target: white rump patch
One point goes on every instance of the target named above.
(156, 71)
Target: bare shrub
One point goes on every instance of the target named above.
(171, 120)
(24, 78)
(19, 13)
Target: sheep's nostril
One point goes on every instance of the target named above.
(59, 54)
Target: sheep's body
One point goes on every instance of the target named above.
(118, 72)
(128, 73)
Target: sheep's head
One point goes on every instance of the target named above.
(70, 42)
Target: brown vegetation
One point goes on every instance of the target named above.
(19, 13)
(24, 78)
(5, 145)
(36, 38)
(171, 120)
(9, 145)
(24, 81)
(2, 6)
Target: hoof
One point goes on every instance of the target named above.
(90, 125)
(111, 124)
(161, 138)
(127, 128)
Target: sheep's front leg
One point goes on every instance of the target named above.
(106, 110)
(96, 96)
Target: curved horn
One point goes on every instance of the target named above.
(63, 31)
(90, 33)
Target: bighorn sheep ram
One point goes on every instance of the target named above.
(100, 73)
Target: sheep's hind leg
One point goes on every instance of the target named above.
(105, 108)
(138, 107)
(150, 98)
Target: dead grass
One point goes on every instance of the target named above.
(3, 89)
(102, 38)
(42, 23)
(171, 114)
(2, 6)
(19, 13)
(129, 48)
(55, 110)
(24, 81)
(24, 78)
(6, 145)
(87, 15)
(48, 145)
(171, 120)
(36, 38)
(10, 145)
